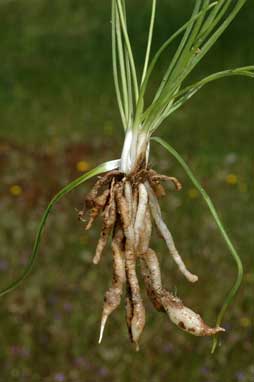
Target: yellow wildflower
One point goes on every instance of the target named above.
(83, 166)
(231, 179)
(15, 190)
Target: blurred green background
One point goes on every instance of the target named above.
(58, 118)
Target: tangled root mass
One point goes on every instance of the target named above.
(129, 207)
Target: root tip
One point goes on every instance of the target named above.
(96, 260)
(193, 278)
(103, 323)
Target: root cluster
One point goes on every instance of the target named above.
(129, 207)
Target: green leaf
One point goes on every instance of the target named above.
(201, 34)
(150, 38)
(108, 166)
(233, 251)
(178, 99)
(115, 66)
(123, 22)
(186, 27)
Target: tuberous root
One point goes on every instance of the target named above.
(113, 296)
(185, 318)
(129, 207)
(164, 301)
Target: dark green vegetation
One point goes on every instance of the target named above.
(58, 114)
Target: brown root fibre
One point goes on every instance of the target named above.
(130, 208)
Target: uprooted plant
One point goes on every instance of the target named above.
(127, 196)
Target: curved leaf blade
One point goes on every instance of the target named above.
(233, 251)
(104, 167)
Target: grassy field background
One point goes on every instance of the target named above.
(58, 118)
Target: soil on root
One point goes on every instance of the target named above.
(129, 208)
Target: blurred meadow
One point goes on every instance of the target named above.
(59, 118)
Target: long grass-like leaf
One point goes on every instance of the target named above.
(70, 187)
(203, 49)
(190, 57)
(177, 100)
(129, 49)
(209, 22)
(183, 49)
(150, 38)
(233, 251)
(129, 80)
(157, 57)
(122, 64)
(115, 69)
(189, 91)
(213, 20)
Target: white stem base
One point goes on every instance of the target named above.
(136, 144)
